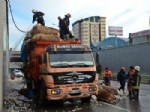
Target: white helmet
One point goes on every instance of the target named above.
(122, 68)
(137, 68)
(69, 15)
(33, 10)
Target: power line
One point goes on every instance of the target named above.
(14, 19)
(18, 42)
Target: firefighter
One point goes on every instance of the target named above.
(66, 20)
(38, 16)
(67, 23)
(121, 78)
(98, 65)
(136, 82)
(107, 76)
(129, 77)
(61, 25)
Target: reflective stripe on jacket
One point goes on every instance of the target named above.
(107, 73)
(136, 84)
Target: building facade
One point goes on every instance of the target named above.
(90, 30)
(139, 37)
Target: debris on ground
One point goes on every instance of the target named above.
(16, 101)
(13, 101)
(109, 94)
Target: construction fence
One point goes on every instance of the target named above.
(126, 56)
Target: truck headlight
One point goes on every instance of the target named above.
(92, 88)
(55, 91)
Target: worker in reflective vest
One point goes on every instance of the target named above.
(135, 82)
(129, 78)
(107, 77)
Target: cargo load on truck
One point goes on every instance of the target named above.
(42, 33)
(38, 33)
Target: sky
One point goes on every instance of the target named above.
(132, 15)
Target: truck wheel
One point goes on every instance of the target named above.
(29, 84)
(86, 100)
(41, 94)
(55, 103)
(42, 97)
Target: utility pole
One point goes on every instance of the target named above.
(7, 48)
(2, 27)
(116, 43)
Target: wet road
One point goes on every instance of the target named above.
(143, 105)
(124, 105)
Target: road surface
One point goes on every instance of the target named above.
(124, 105)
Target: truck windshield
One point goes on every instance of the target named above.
(65, 59)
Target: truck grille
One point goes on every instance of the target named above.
(74, 77)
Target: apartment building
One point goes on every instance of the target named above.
(90, 30)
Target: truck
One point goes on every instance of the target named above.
(58, 70)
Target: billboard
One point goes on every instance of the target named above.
(115, 30)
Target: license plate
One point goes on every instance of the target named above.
(75, 91)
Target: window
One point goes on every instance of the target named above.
(148, 38)
(97, 19)
(71, 59)
(91, 19)
(87, 19)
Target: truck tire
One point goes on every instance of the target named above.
(57, 102)
(42, 91)
(86, 100)
(40, 97)
(29, 84)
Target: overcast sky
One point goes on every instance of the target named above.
(132, 15)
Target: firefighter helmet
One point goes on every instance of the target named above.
(69, 15)
(122, 68)
(33, 10)
(137, 68)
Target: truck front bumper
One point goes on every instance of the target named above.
(72, 92)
